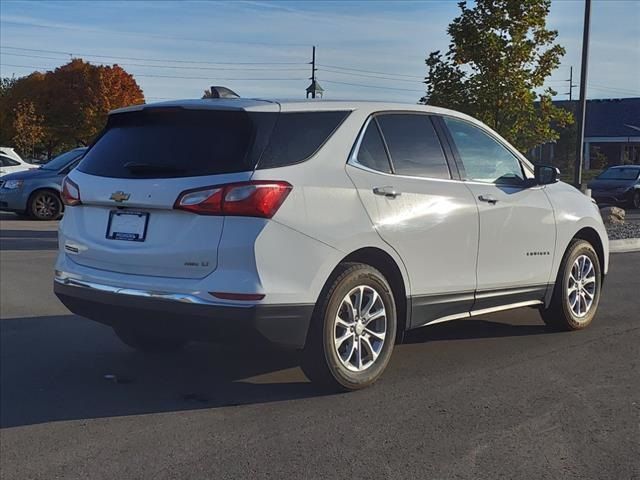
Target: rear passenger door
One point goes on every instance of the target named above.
(405, 182)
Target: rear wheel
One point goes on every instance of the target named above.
(577, 290)
(148, 343)
(352, 331)
(45, 205)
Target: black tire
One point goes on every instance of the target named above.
(559, 315)
(320, 360)
(147, 343)
(45, 205)
(635, 200)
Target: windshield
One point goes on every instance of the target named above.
(63, 160)
(620, 173)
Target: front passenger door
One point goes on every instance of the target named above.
(517, 225)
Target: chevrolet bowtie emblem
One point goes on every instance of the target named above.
(120, 196)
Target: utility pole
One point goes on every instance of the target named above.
(313, 71)
(571, 84)
(582, 103)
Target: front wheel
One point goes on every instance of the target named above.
(635, 199)
(352, 331)
(577, 290)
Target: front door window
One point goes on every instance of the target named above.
(483, 158)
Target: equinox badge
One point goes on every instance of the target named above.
(119, 196)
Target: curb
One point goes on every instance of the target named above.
(625, 245)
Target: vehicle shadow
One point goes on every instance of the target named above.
(59, 368)
(28, 240)
(67, 368)
(472, 328)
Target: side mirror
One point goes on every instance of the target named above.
(546, 174)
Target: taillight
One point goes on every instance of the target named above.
(70, 193)
(245, 199)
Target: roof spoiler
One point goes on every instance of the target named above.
(222, 92)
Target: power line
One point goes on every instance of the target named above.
(176, 76)
(371, 86)
(371, 71)
(596, 86)
(364, 75)
(279, 69)
(161, 36)
(71, 54)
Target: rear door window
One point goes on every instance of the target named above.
(413, 145)
(372, 153)
(172, 142)
(298, 135)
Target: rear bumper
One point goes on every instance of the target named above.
(186, 316)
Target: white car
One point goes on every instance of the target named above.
(11, 162)
(331, 227)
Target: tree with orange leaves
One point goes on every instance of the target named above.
(28, 127)
(72, 101)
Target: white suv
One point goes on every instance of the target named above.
(331, 227)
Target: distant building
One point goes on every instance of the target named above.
(315, 90)
(612, 134)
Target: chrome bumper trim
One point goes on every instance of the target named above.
(134, 292)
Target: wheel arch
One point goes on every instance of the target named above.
(387, 265)
(591, 235)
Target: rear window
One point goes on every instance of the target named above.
(298, 135)
(155, 143)
(175, 142)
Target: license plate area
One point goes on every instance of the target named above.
(127, 225)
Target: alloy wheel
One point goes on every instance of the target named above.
(581, 287)
(46, 206)
(360, 328)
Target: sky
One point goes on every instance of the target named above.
(365, 49)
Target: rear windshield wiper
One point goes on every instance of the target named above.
(134, 167)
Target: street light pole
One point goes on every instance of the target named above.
(582, 103)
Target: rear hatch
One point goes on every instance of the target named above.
(131, 177)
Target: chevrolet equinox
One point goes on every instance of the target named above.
(326, 226)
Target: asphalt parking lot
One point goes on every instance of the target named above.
(498, 397)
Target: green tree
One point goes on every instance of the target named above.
(500, 54)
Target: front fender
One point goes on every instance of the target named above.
(574, 212)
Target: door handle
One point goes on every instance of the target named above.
(488, 198)
(386, 191)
